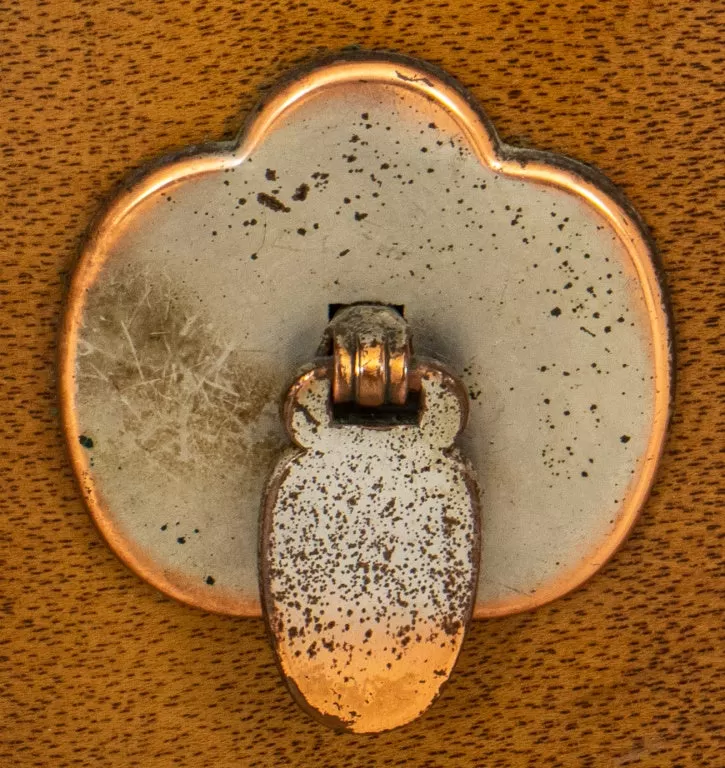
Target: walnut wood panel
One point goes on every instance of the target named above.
(99, 669)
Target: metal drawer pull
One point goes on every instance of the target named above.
(370, 532)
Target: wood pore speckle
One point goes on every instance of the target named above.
(99, 669)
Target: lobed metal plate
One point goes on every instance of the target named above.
(207, 282)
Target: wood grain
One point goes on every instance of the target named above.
(97, 668)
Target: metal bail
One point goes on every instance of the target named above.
(371, 352)
(370, 533)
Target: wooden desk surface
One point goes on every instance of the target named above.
(97, 669)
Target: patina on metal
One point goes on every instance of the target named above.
(370, 535)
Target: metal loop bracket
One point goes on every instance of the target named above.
(371, 355)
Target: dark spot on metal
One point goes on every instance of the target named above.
(301, 192)
(407, 79)
(85, 441)
(272, 203)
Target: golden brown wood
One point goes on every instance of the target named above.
(96, 667)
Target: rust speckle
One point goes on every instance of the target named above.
(273, 203)
(301, 192)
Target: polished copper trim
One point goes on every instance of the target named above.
(542, 167)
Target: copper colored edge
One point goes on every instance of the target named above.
(398, 374)
(342, 371)
(371, 376)
(536, 166)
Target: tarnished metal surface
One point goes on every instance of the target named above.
(370, 550)
(207, 280)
